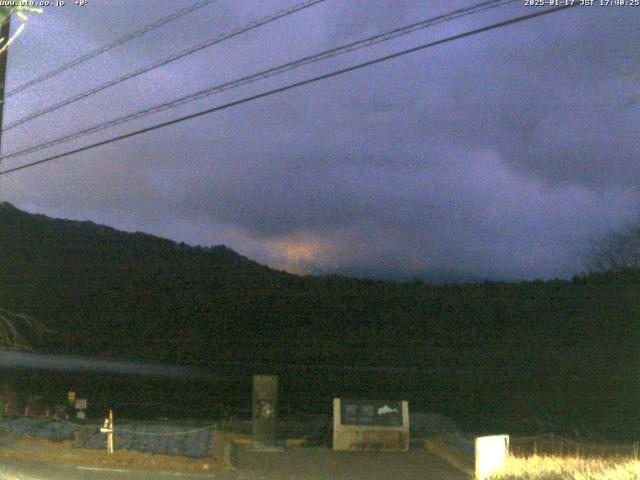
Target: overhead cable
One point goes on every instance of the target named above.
(109, 46)
(323, 55)
(292, 86)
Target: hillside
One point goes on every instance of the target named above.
(557, 349)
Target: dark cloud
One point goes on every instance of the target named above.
(497, 156)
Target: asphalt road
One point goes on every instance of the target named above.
(292, 464)
(254, 467)
(20, 470)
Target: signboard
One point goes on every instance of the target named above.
(81, 403)
(371, 412)
(71, 396)
(370, 425)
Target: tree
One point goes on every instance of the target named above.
(15, 330)
(617, 250)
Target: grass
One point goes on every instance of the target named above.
(568, 468)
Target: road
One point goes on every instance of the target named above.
(312, 463)
(20, 470)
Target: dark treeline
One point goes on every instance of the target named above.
(494, 355)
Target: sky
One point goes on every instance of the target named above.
(498, 156)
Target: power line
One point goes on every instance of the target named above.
(291, 86)
(110, 46)
(183, 53)
(350, 47)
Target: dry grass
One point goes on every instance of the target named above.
(568, 468)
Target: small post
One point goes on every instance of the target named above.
(110, 436)
(108, 429)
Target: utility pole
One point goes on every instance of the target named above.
(5, 31)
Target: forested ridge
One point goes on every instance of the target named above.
(569, 344)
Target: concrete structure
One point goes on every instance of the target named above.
(265, 412)
(490, 453)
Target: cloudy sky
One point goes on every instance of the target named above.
(496, 156)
